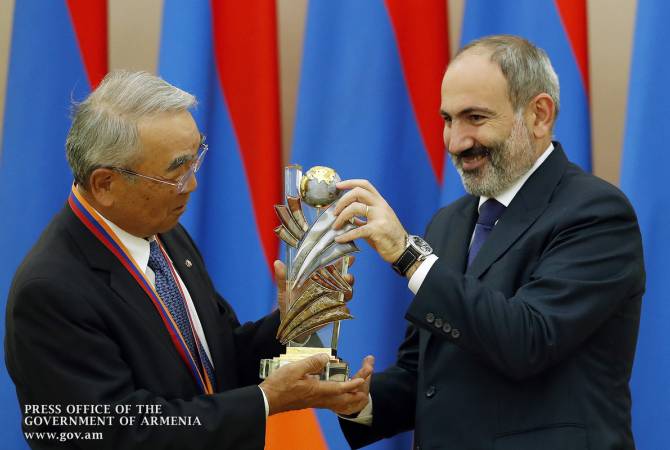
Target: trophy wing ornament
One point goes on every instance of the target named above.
(316, 265)
(319, 301)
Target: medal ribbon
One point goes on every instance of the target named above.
(96, 225)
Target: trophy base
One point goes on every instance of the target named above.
(335, 370)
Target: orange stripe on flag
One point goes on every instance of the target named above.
(294, 430)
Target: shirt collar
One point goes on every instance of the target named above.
(506, 196)
(137, 246)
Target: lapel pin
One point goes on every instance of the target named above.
(188, 263)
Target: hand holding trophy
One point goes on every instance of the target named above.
(315, 267)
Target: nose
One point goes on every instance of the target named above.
(457, 137)
(191, 183)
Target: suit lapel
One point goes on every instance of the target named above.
(122, 283)
(458, 235)
(513, 223)
(526, 207)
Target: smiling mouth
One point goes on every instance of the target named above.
(473, 158)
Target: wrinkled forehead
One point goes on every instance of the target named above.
(168, 135)
(169, 129)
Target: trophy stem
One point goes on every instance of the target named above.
(315, 264)
(334, 341)
(292, 175)
(336, 336)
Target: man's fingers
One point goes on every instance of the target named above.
(280, 279)
(360, 232)
(357, 194)
(280, 272)
(340, 387)
(351, 211)
(367, 367)
(354, 183)
(312, 365)
(359, 222)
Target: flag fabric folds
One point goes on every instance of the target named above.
(368, 106)
(225, 53)
(58, 54)
(560, 28)
(230, 214)
(643, 168)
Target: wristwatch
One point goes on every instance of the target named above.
(416, 249)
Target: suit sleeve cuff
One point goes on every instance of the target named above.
(420, 274)
(265, 402)
(364, 416)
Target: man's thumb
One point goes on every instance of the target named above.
(314, 364)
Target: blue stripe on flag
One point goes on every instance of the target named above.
(644, 166)
(220, 213)
(45, 73)
(355, 114)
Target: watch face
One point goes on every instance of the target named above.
(421, 245)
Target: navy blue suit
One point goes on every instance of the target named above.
(530, 347)
(80, 330)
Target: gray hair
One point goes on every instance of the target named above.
(104, 131)
(526, 68)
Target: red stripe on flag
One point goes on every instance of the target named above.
(573, 15)
(245, 47)
(423, 41)
(89, 19)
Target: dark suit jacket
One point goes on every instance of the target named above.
(80, 330)
(531, 347)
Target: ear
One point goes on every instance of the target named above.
(101, 185)
(541, 115)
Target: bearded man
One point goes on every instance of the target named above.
(527, 290)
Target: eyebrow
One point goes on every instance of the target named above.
(470, 110)
(183, 159)
(180, 161)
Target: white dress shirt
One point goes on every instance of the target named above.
(505, 197)
(140, 251)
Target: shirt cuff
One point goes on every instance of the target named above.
(364, 416)
(420, 273)
(265, 401)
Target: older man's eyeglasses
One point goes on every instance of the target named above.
(181, 182)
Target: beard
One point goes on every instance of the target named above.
(509, 159)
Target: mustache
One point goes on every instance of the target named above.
(474, 151)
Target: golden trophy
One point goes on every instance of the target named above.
(315, 269)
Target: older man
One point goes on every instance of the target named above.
(112, 319)
(523, 327)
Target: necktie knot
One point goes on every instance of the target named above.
(490, 212)
(156, 259)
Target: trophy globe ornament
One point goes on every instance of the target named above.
(317, 186)
(316, 265)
